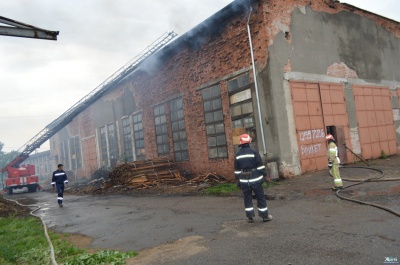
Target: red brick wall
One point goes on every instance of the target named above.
(182, 74)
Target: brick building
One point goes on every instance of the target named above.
(320, 66)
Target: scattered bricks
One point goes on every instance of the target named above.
(341, 70)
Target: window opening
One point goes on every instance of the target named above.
(242, 109)
(214, 121)
(103, 146)
(139, 137)
(160, 121)
(127, 135)
(178, 130)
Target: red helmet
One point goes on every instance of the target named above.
(329, 137)
(245, 139)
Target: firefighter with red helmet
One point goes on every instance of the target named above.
(333, 162)
(250, 173)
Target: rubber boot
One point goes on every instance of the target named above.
(267, 219)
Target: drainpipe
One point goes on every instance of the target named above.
(255, 82)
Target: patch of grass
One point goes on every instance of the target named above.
(102, 257)
(272, 184)
(22, 241)
(20, 235)
(222, 189)
(227, 188)
(383, 155)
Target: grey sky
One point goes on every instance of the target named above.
(40, 79)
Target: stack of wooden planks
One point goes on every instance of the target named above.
(209, 178)
(145, 174)
(162, 173)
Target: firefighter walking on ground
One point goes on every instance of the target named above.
(250, 173)
(333, 162)
(58, 180)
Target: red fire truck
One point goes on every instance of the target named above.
(21, 177)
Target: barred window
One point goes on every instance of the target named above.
(127, 135)
(78, 152)
(238, 83)
(241, 106)
(178, 130)
(103, 146)
(65, 154)
(139, 137)
(214, 120)
(73, 155)
(112, 144)
(75, 152)
(160, 120)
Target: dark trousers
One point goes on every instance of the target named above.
(60, 191)
(247, 189)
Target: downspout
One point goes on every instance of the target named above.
(255, 82)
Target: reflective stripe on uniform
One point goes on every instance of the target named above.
(249, 209)
(263, 209)
(261, 167)
(245, 156)
(331, 150)
(59, 174)
(338, 180)
(60, 198)
(53, 183)
(251, 180)
(66, 181)
(238, 172)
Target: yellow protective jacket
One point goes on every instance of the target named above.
(333, 153)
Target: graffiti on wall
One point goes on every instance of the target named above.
(310, 149)
(311, 135)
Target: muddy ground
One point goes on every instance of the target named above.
(180, 225)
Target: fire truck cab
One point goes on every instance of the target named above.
(21, 177)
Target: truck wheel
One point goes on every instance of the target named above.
(10, 191)
(32, 188)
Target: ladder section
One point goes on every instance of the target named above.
(65, 118)
(95, 94)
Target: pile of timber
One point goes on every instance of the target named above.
(142, 175)
(207, 178)
(145, 174)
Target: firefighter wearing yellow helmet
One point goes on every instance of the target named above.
(250, 173)
(333, 162)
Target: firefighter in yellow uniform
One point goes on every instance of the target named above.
(333, 162)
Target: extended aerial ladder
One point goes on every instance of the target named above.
(14, 159)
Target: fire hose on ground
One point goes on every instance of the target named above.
(359, 182)
(52, 255)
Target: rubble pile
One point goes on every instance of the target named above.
(161, 173)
